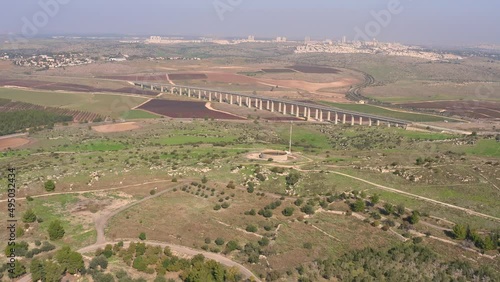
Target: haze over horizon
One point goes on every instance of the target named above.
(446, 22)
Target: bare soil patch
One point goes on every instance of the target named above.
(309, 86)
(119, 127)
(138, 77)
(294, 84)
(13, 143)
(231, 78)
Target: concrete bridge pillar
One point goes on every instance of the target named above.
(316, 116)
(240, 101)
(249, 102)
(199, 94)
(189, 92)
(360, 120)
(352, 120)
(272, 107)
(321, 115)
(284, 109)
(231, 99)
(161, 89)
(336, 118)
(256, 103)
(260, 104)
(297, 112)
(291, 110)
(344, 119)
(369, 122)
(152, 87)
(268, 108)
(209, 96)
(329, 116)
(378, 122)
(279, 107)
(389, 124)
(308, 113)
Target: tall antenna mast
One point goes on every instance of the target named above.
(290, 147)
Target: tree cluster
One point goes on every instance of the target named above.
(406, 262)
(13, 122)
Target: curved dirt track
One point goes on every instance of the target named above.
(468, 211)
(102, 220)
(181, 250)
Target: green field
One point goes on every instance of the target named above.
(375, 110)
(189, 139)
(96, 146)
(56, 207)
(303, 136)
(103, 104)
(416, 135)
(486, 148)
(138, 114)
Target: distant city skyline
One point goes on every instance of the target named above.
(445, 22)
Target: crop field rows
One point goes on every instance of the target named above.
(78, 116)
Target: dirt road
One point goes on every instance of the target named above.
(101, 221)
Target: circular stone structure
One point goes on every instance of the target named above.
(279, 156)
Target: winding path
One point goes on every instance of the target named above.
(468, 211)
(102, 219)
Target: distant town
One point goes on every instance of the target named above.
(342, 46)
(374, 47)
(49, 61)
(327, 46)
(53, 61)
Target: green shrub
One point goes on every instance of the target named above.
(142, 236)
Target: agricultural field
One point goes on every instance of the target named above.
(70, 87)
(105, 105)
(78, 116)
(184, 109)
(472, 109)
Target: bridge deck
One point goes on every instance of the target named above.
(280, 100)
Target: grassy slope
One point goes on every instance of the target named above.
(104, 104)
(138, 114)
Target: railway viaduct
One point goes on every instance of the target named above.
(308, 111)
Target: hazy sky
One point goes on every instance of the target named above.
(419, 21)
